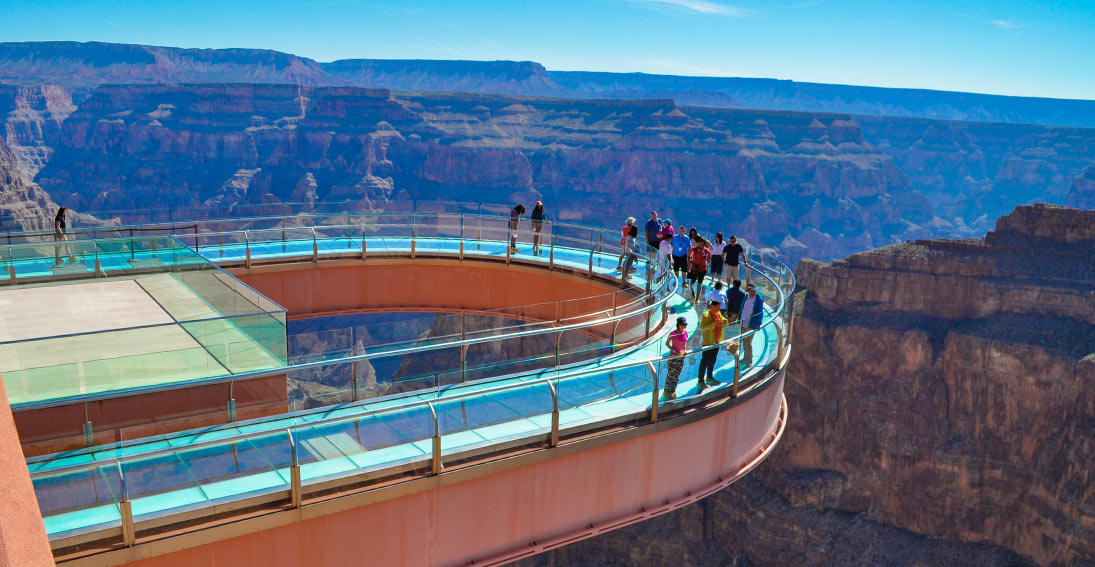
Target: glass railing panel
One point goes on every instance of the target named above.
(495, 421)
(77, 501)
(367, 444)
(239, 470)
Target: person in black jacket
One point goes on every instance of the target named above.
(538, 218)
(735, 297)
(514, 218)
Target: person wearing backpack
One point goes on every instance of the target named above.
(699, 255)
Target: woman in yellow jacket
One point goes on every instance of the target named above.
(712, 323)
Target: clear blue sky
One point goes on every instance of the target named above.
(990, 46)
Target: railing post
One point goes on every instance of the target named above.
(363, 248)
(551, 252)
(125, 508)
(315, 246)
(509, 250)
(294, 472)
(247, 248)
(554, 442)
(231, 401)
(779, 346)
(656, 390)
(413, 246)
(589, 273)
(11, 273)
(737, 370)
(558, 312)
(355, 392)
(612, 339)
(558, 340)
(790, 328)
(89, 435)
(464, 363)
(461, 249)
(646, 335)
(435, 467)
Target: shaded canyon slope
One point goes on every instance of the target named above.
(942, 404)
(90, 64)
(23, 205)
(825, 185)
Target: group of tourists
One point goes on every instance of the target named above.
(694, 260)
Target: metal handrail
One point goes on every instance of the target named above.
(419, 403)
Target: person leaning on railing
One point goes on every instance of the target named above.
(538, 218)
(677, 341)
(752, 312)
(515, 217)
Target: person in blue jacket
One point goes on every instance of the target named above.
(681, 244)
(752, 315)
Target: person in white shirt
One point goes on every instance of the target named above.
(752, 311)
(717, 294)
(716, 258)
(665, 259)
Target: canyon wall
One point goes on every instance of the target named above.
(942, 403)
(816, 184)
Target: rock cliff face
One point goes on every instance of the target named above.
(1082, 194)
(942, 400)
(23, 205)
(804, 183)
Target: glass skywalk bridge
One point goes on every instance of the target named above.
(111, 494)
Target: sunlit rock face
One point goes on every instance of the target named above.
(941, 398)
(23, 205)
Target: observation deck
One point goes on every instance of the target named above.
(532, 386)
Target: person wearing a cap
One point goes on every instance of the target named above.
(677, 341)
(752, 312)
(631, 250)
(711, 325)
(538, 218)
(667, 230)
(665, 258)
(630, 222)
(652, 229)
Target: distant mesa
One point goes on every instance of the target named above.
(74, 64)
